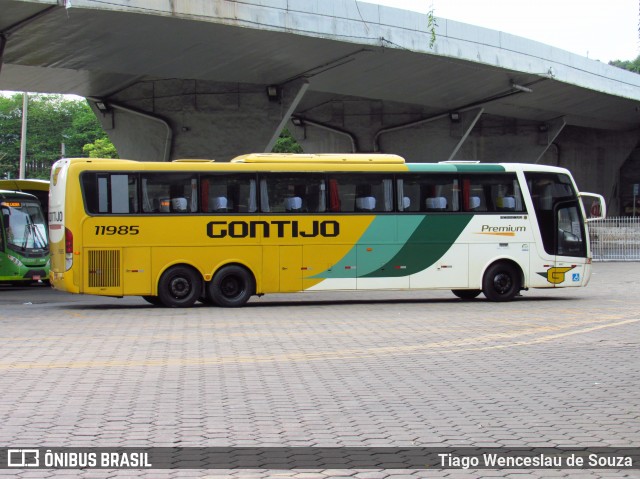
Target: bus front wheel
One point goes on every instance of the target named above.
(231, 286)
(501, 282)
(179, 287)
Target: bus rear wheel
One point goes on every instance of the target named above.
(179, 287)
(466, 293)
(231, 286)
(501, 282)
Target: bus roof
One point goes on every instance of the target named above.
(373, 162)
(331, 158)
(24, 184)
(16, 195)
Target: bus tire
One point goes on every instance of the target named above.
(231, 286)
(179, 287)
(466, 293)
(501, 282)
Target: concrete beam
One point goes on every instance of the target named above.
(467, 121)
(162, 120)
(292, 103)
(549, 131)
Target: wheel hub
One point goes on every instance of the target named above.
(180, 287)
(502, 283)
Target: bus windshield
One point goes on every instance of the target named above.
(24, 225)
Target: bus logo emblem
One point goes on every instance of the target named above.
(557, 275)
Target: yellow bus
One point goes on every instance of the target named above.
(36, 187)
(175, 233)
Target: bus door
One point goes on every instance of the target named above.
(570, 245)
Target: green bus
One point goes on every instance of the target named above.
(36, 187)
(24, 244)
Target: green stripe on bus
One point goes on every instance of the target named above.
(429, 242)
(434, 167)
(455, 167)
(480, 168)
(386, 236)
(396, 246)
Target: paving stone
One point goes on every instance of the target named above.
(390, 369)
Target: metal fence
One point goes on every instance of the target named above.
(615, 239)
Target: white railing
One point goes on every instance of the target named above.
(615, 239)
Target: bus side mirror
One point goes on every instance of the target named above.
(595, 207)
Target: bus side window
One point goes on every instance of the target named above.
(133, 194)
(292, 193)
(473, 195)
(492, 193)
(404, 201)
(213, 196)
(89, 184)
(352, 192)
(334, 196)
(228, 193)
(428, 192)
(169, 193)
(365, 201)
(115, 193)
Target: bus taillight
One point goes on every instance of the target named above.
(68, 241)
(68, 248)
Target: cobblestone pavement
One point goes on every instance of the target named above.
(396, 369)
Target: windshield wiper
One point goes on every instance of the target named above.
(38, 239)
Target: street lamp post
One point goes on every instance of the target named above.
(23, 138)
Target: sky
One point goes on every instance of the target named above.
(601, 30)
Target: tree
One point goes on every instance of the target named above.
(10, 123)
(101, 148)
(53, 121)
(286, 143)
(631, 65)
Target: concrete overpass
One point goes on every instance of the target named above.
(215, 78)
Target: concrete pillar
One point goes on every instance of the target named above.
(629, 176)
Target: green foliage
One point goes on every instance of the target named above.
(101, 148)
(286, 143)
(10, 124)
(631, 65)
(52, 121)
(432, 23)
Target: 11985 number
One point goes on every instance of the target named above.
(117, 230)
